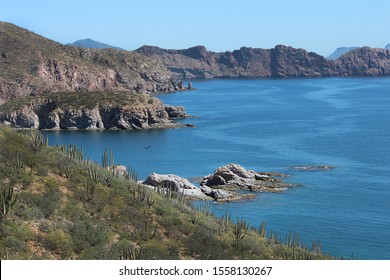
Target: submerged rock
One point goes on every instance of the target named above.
(314, 167)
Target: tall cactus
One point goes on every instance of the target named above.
(107, 159)
(7, 200)
(19, 163)
(37, 140)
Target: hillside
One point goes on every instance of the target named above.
(32, 64)
(91, 44)
(56, 204)
(281, 61)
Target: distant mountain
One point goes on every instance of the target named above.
(91, 44)
(339, 52)
(280, 61)
(32, 64)
(387, 47)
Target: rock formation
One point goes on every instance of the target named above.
(234, 176)
(365, 61)
(176, 183)
(110, 111)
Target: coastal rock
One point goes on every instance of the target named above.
(234, 176)
(220, 195)
(120, 170)
(175, 112)
(172, 180)
(52, 113)
(175, 182)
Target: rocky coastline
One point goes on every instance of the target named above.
(141, 111)
(223, 184)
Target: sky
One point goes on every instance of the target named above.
(315, 25)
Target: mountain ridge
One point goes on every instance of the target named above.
(281, 61)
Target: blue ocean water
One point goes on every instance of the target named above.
(272, 125)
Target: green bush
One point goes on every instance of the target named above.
(59, 242)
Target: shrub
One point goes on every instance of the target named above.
(59, 242)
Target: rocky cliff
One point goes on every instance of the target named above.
(90, 111)
(365, 62)
(32, 65)
(281, 61)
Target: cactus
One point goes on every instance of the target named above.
(90, 191)
(240, 229)
(147, 234)
(263, 229)
(7, 200)
(37, 140)
(193, 217)
(149, 201)
(19, 163)
(131, 174)
(225, 224)
(107, 159)
(93, 173)
(131, 253)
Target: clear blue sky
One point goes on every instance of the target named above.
(315, 25)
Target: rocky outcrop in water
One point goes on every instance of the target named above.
(281, 61)
(365, 62)
(234, 176)
(139, 111)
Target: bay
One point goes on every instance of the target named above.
(273, 125)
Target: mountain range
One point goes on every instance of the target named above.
(32, 64)
(280, 61)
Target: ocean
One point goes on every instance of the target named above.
(275, 125)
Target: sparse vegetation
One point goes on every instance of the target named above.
(58, 205)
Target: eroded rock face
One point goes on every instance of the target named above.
(45, 114)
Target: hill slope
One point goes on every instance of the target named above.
(32, 64)
(58, 205)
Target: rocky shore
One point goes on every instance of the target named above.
(118, 111)
(223, 184)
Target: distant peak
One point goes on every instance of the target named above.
(91, 44)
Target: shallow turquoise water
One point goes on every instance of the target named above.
(271, 125)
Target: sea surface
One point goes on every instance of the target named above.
(274, 125)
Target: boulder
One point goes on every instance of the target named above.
(172, 180)
(176, 183)
(234, 176)
(220, 195)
